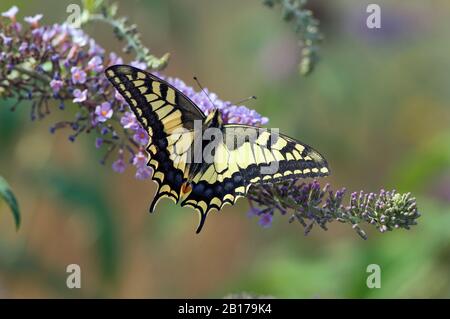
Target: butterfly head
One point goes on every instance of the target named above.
(214, 119)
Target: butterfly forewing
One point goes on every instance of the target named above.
(168, 116)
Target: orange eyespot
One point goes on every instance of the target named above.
(186, 188)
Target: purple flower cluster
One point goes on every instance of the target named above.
(69, 67)
(311, 205)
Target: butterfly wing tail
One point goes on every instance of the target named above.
(201, 222)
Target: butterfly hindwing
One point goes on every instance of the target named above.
(164, 112)
(247, 156)
(268, 156)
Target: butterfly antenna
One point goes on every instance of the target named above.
(245, 100)
(203, 90)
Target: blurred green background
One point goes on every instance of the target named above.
(377, 106)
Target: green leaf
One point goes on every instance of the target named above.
(8, 196)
